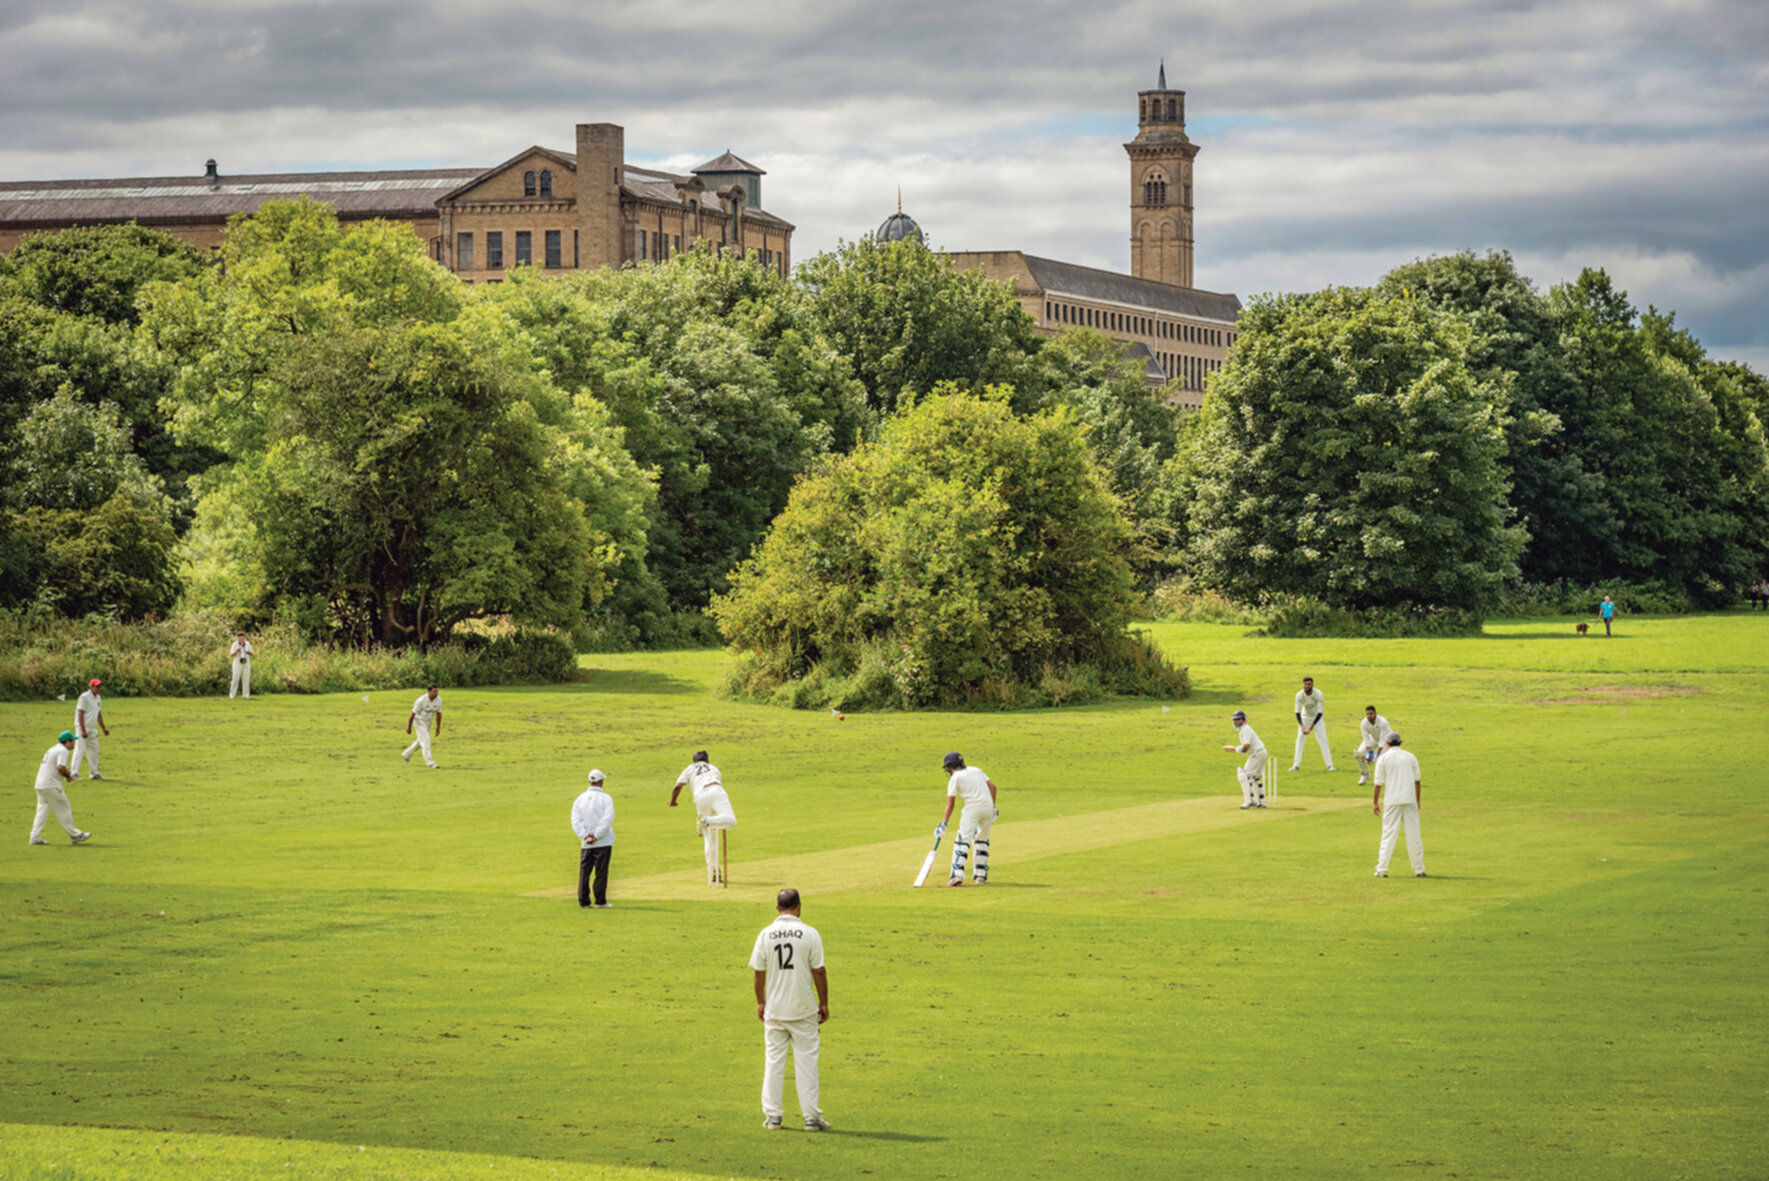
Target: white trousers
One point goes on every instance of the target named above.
(84, 748)
(974, 823)
(1394, 818)
(53, 799)
(801, 1035)
(713, 808)
(421, 732)
(1320, 736)
(242, 679)
(1252, 777)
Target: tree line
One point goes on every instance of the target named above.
(323, 427)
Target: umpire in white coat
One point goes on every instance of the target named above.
(1396, 799)
(592, 819)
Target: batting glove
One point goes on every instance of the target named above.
(939, 830)
(995, 817)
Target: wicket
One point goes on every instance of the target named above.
(724, 865)
(1271, 780)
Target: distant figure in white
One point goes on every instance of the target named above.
(1396, 800)
(981, 807)
(241, 656)
(1252, 772)
(52, 772)
(1311, 718)
(1374, 730)
(792, 1000)
(88, 721)
(425, 723)
(712, 808)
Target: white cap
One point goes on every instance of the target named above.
(596, 776)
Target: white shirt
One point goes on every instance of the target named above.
(241, 650)
(425, 710)
(1375, 733)
(970, 785)
(593, 816)
(1247, 738)
(47, 776)
(787, 950)
(93, 705)
(1310, 705)
(1396, 772)
(699, 777)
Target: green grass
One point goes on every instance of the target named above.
(284, 944)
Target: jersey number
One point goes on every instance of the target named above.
(783, 955)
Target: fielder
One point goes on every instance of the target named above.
(88, 720)
(1374, 730)
(1396, 800)
(792, 1000)
(1311, 717)
(974, 821)
(51, 796)
(241, 657)
(712, 808)
(1252, 772)
(426, 713)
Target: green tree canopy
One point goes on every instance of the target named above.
(966, 547)
(1346, 453)
(908, 320)
(99, 271)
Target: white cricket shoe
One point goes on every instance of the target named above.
(38, 841)
(1420, 874)
(816, 1123)
(80, 838)
(1297, 767)
(772, 1123)
(1362, 779)
(407, 758)
(604, 906)
(1382, 873)
(95, 775)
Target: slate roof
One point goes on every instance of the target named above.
(730, 163)
(1066, 278)
(652, 185)
(176, 200)
(1136, 350)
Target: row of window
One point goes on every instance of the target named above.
(1190, 372)
(552, 244)
(544, 187)
(1056, 312)
(1154, 192)
(1151, 110)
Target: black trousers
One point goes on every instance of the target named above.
(593, 859)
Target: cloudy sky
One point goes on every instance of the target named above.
(1337, 139)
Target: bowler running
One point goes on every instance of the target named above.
(712, 810)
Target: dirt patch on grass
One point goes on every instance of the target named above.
(1612, 694)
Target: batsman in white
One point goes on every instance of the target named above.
(1396, 797)
(712, 808)
(88, 721)
(1374, 730)
(792, 1000)
(52, 772)
(981, 808)
(1251, 773)
(426, 716)
(1311, 718)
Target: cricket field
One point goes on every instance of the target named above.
(286, 953)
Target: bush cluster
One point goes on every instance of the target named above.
(1301, 616)
(1562, 597)
(42, 656)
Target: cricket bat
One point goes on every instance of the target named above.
(927, 864)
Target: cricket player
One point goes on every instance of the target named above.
(241, 657)
(792, 1000)
(1252, 772)
(1396, 799)
(712, 808)
(978, 816)
(592, 819)
(426, 717)
(88, 721)
(1311, 718)
(1374, 730)
(52, 796)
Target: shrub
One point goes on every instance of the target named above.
(1298, 616)
(1183, 601)
(1561, 597)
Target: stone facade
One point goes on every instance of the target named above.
(546, 208)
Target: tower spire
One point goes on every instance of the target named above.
(1161, 83)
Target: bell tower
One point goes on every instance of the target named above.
(1161, 187)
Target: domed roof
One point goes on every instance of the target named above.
(897, 227)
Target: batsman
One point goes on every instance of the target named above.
(974, 821)
(1251, 774)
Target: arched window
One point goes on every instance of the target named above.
(528, 183)
(1154, 190)
(546, 182)
(1172, 110)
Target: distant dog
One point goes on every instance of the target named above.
(1583, 628)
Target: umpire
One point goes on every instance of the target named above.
(592, 819)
